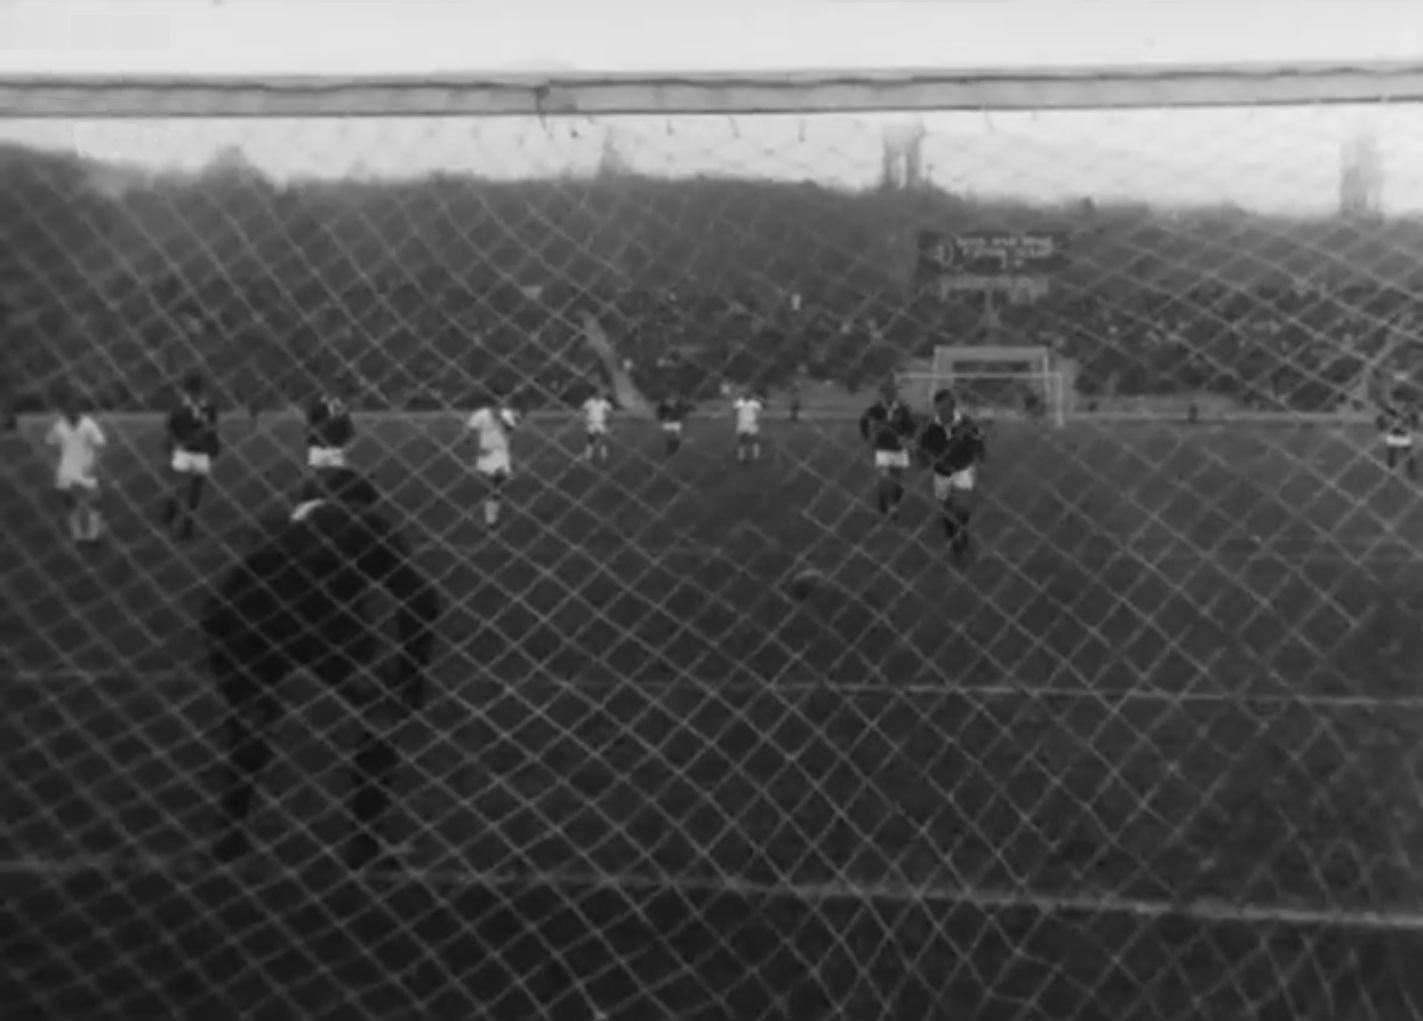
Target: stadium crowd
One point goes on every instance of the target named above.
(426, 344)
(399, 295)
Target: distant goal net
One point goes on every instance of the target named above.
(1001, 382)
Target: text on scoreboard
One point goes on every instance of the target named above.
(978, 254)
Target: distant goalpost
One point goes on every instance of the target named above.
(999, 381)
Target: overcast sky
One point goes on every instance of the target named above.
(425, 35)
(1286, 159)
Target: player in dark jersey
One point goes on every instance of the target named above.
(888, 426)
(193, 443)
(1398, 424)
(296, 601)
(952, 445)
(329, 431)
(672, 412)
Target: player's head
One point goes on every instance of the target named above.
(193, 386)
(945, 403)
(68, 403)
(889, 391)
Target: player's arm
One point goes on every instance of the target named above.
(342, 429)
(980, 444)
(865, 419)
(315, 423)
(171, 427)
(97, 441)
(214, 423)
(475, 429)
(909, 428)
(386, 562)
(929, 443)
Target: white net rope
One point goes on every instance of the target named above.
(708, 735)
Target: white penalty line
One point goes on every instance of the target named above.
(235, 544)
(1287, 554)
(121, 683)
(570, 881)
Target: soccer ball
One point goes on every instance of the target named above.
(804, 584)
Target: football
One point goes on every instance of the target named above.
(804, 584)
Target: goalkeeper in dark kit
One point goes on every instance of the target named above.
(297, 601)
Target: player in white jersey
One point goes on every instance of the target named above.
(596, 410)
(491, 427)
(79, 441)
(747, 409)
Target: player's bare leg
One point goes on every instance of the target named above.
(889, 492)
(73, 515)
(180, 511)
(252, 715)
(91, 522)
(193, 495)
(374, 760)
(374, 764)
(493, 499)
(956, 511)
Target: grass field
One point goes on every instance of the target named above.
(1154, 753)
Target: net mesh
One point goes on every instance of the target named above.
(709, 736)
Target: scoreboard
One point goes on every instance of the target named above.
(989, 255)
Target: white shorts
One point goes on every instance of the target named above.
(675, 428)
(959, 482)
(69, 481)
(495, 464)
(597, 430)
(1398, 441)
(325, 457)
(891, 459)
(187, 462)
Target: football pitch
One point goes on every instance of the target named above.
(1154, 752)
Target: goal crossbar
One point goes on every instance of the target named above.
(886, 90)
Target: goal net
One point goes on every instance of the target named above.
(1001, 382)
(710, 731)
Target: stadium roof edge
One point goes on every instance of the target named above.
(665, 93)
